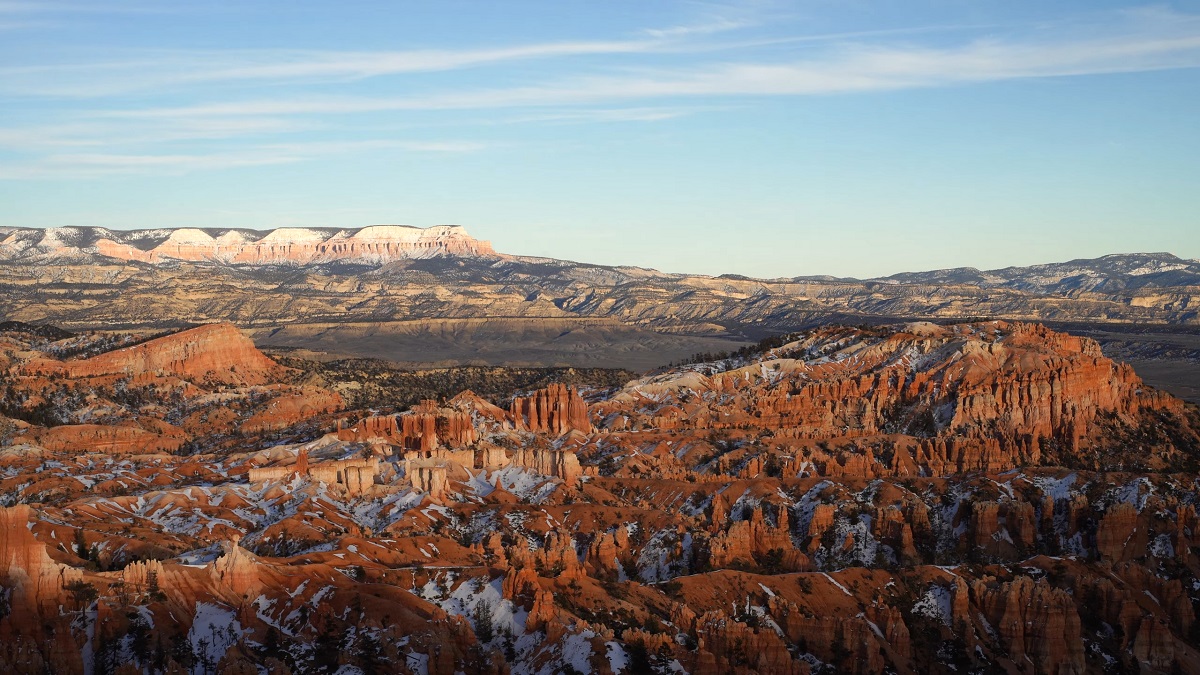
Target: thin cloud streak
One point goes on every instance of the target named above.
(719, 26)
(174, 69)
(172, 138)
(133, 133)
(88, 166)
(46, 7)
(127, 133)
(99, 165)
(588, 115)
(14, 7)
(22, 25)
(853, 69)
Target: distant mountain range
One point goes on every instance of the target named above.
(1110, 273)
(381, 244)
(437, 295)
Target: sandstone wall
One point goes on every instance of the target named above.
(424, 428)
(555, 410)
(558, 463)
(356, 476)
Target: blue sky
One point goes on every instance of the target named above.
(764, 138)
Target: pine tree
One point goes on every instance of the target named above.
(369, 654)
(484, 629)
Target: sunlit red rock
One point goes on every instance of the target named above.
(742, 518)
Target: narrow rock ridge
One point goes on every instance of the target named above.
(218, 352)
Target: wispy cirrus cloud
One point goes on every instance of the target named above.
(104, 164)
(9, 7)
(849, 68)
(609, 114)
(708, 28)
(28, 7)
(181, 68)
(17, 24)
(113, 132)
(118, 132)
(177, 69)
(108, 138)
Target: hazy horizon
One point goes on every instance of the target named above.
(769, 139)
(502, 250)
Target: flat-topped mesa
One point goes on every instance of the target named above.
(556, 410)
(284, 246)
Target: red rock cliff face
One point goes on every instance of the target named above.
(556, 410)
(1042, 384)
(426, 427)
(108, 438)
(985, 396)
(1035, 622)
(37, 578)
(216, 352)
(34, 586)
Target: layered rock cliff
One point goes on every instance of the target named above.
(923, 399)
(284, 246)
(555, 410)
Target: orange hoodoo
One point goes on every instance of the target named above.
(423, 428)
(302, 463)
(556, 410)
